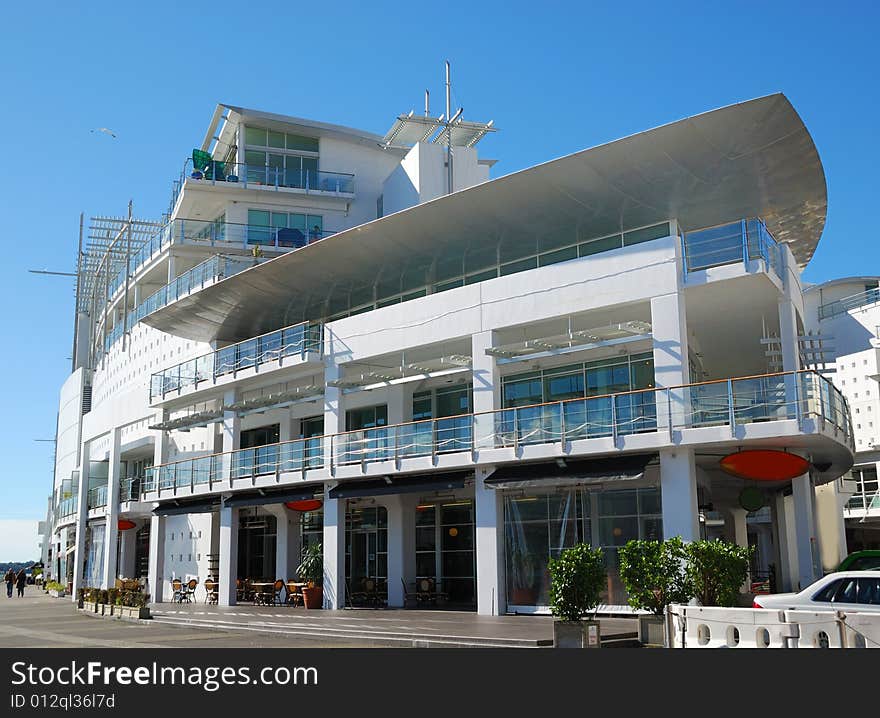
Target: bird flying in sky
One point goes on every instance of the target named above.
(105, 130)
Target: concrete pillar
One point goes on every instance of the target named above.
(739, 533)
(160, 440)
(283, 556)
(678, 487)
(491, 583)
(111, 533)
(783, 550)
(805, 530)
(228, 556)
(285, 426)
(156, 570)
(127, 545)
(671, 367)
(294, 542)
(334, 417)
(401, 546)
(487, 389)
(172, 267)
(334, 552)
(82, 517)
(231, 434)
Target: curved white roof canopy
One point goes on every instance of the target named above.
(754, 158)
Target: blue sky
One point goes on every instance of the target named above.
(555, 77)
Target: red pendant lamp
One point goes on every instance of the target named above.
(304, 505)
(765, 465)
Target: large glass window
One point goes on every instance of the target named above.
(366, 547)
(539, 524)
(288, 229)
(280, 158)
(257, 537)
(445, 548)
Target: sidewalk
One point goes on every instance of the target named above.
(392, 627)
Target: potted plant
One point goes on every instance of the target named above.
(577, 578)
(717, 570)
(654, 574)
(55, 589)
(311, 570)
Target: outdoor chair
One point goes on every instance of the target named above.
(189, 591)
(279, 588)
(209, 167)
(294, 596)
(211, 592)
(177, 589)
(408, 595)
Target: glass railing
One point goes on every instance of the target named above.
(296, 340)
(130, 488)
(730, 244)
(731, 402)
(854, 301)
(864, 501)
(67, 507)
(246, 175)
(97, 497)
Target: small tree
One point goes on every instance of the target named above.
(577, 579)
(654, 574)
(311, 569)
(716, 570)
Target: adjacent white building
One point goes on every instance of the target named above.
(459, 376)
(845, 315)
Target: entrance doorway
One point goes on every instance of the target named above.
(445, 549)
(257, 542)
(366, 549)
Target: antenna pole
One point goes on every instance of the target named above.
(448, 130)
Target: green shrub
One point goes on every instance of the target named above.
(716, 570)
(654, 574)
(54, 586)
(577, 579)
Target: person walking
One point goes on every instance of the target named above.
(10, 579)
(20, 582)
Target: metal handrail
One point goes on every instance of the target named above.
(383, 443)
(853, 301)
(210, 366)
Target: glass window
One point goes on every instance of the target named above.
(646, 234)
(276, 139)
(616, 503)
(421, 406)
(454, 401)
(848, 591)
(520, 266)
(366, 418)
(522, 392)
(304, 144)
(565, 386)
(255, 136)
(827, 593)
(477, 259)
(869, 591)
(595, 246)
(560, 255)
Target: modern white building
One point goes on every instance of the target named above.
(845, 315)
(459, 383)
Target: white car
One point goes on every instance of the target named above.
(842, 591)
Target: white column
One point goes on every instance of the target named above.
(82, 517)
(737, 517)
(491, 583)
(126, 553)
(487, 389)
(156, 570)
(783, 553)
(401, 545)
(804, 529)
(160, 440)
(111, 532)
(228, 556)
(334, 419)
(172, 273)
(671, 366)
(334, 552)
(678, 487)
(231, 433)
(285, 432)
(294, 542)
(282, 540)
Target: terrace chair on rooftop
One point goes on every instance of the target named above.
(208, 166)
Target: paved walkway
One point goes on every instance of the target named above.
(413, 627)
(39, 621)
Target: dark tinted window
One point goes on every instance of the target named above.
(827, 593)
(865, 563)
(869, 591)
(847, 592)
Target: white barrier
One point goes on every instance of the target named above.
(714, 627)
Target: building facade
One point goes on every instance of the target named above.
(845, 315)
(364, 342)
